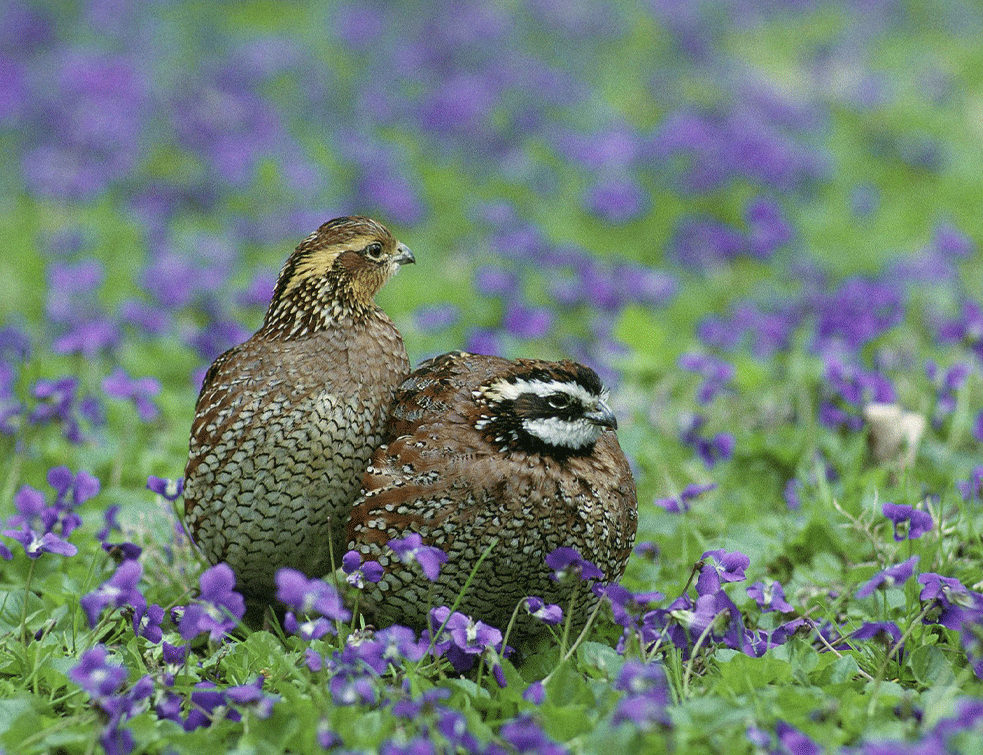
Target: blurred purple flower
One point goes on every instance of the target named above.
(147, 623)
(525, 737)
(767, 228)
(307, 628)
(890, 577)
(857, 312)
(217, 610)
(217, 336)
(952, 601)
(393, 645)
(357, 572)
(716, 373)
(527, 322)
(81, 486)
(88, 337)
(885, 631)
(547, 613)
(167, 488)
(206, 702)
(349, 686)
(99, 678)
(87, 123)
(494, 281)
(57, 403)
(250, 697)
(647, 699)
(791, 740)
(952, 242)
(970, 489)
(436, 318)
(411, 549)
(720, 566)
(121, 589)
(918, 522)
(535, 693)
(703, 243)
(617, 199)
(567, 564)
(308, 596)
(681, 503)
(711, 450)
(769, 597)
(139, 391)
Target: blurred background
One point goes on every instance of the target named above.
(620, 183)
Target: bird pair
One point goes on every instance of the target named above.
(311, 439)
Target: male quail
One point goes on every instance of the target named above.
(480, 447)
(286, 422)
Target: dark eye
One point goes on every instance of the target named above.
(374, 251)
(559, 401)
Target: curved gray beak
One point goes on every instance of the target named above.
(403, 255)
(603, 416)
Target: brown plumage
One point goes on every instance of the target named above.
(286, 422)
(480, 447)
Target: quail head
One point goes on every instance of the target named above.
(287, 421)
(480, 448)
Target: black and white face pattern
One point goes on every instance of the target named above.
(559, 411)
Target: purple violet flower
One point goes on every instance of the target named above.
(462, 638)
(147, 623)
(525, 737)
(885, 631)
(720, 566)
(119, 590)
(308, 596)
(535, 693)
(715, 372)
(680, 503)
(139, 391)
(359, 573)
(648, 695)
(953, 601)
(96, 676)
(217, 610)
(168, 489)
(547, 613)
(770, 597)
(411, 549)
(81, 486)
(892, 576)
(567, 563)
(250, 697)
(900, 514)
(970, 489)
(35, 544)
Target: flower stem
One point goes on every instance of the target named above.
(27, 593)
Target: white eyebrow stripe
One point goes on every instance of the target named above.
(506, 391)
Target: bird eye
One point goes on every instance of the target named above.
(559, 401)
(374, 251)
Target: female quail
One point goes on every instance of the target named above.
(286, 422)
(478, 448)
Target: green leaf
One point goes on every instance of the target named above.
(931, 667)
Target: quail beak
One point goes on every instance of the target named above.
(403, 255)
(603, 416)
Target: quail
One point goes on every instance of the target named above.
(479, 448)
(286, 422)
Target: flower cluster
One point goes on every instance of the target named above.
(41, 527)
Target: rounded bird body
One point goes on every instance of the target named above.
(285, 423)
(482, 449)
